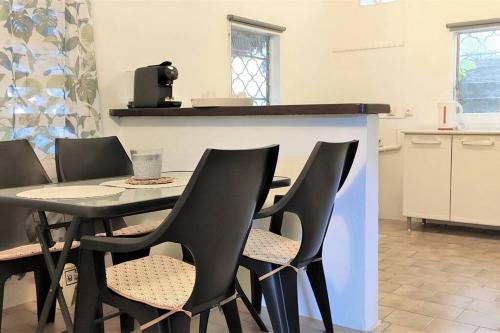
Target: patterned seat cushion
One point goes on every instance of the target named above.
(31, 250)
(160, 281)
(134, 230)
(266, 246)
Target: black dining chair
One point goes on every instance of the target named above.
(274, 260)
(19, 166)
(212, 219)
(92, 158)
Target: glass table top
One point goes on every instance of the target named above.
(128, 202)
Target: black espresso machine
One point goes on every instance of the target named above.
(153, 86)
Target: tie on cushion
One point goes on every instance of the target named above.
(31, 250)
(160, 281)
(266, 246)
(133, 230)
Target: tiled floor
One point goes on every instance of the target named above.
(436, 279)
(439, 279)
(22, 319)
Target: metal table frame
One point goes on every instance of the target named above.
(84, 217)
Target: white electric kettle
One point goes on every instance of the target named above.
(450, 116)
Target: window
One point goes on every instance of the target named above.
(477, 82)
(373, 2)
(250, 62)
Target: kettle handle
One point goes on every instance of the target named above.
(460, 120)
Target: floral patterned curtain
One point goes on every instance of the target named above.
(48, 82)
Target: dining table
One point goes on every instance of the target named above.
(86, 212)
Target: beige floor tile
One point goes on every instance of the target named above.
(408, 319)
(438, 310)
(474, 281)
(486, 330)
(406, 279)
(414, 292)
(385, 275)
(400, 303)
(384, 311)
(446, 326)
(388, 287)
(479, 319)
(450, 299)
(381, 295)
(19, 316)
(492, 308)
(393, 328)
(382, 327)
(483, 294)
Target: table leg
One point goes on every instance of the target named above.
(55, 275)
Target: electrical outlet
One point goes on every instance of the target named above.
(71, 276)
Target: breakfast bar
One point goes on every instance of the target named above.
(350, 249)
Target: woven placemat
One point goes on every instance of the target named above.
(159, 181)
(70, 192)
(124, 183)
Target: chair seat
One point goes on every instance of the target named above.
(31, 250)
(159, 281)
(269, 247)
(134, 230)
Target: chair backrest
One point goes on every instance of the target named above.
(213, 216)
(312, 196)
(82, 159)
(19, 166)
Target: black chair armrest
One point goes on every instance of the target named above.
(276, 208)
(115, 244)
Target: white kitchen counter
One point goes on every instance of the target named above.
(351, 245)
(453, 132)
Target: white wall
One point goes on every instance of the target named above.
(194, 35)
(415, 76)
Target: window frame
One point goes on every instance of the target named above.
(273, 81)
(471, 119)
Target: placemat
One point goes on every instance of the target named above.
(70, 192)
(122, 183)
(159, 181)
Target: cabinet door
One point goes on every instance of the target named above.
(426, 184)
(475, 181)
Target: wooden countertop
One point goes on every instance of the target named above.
(268, 110)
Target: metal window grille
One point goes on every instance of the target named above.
(250, 65)
(478, 70)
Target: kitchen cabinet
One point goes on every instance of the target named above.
(452, 176)
(475, 186)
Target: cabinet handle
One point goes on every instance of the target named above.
(426, 142)
(485, 142)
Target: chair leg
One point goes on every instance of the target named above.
(87, 300)
(250, 308)
(256, 292)
(42, 285)
(178, 323)
(272, 291)
(232, 316)
(290, 297)
(2, 287)
(316, 276)
(204, 321)
(127, 323)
